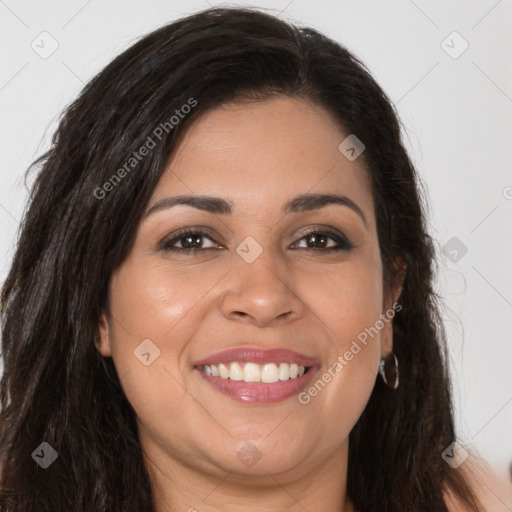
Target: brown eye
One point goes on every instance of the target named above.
(322, 240)
(187, 241)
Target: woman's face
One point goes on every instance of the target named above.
(306, 279)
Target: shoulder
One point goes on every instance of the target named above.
(493, 491)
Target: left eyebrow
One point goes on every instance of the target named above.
(220, 206)
(308, 202)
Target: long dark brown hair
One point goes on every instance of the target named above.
(76, 231)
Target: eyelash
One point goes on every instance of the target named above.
(343, 243)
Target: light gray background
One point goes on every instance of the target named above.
(456, 113)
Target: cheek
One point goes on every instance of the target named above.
(147, 297)
(348, 300)
(152, 303)
(146, 310)
(157, 301)
(157, 394)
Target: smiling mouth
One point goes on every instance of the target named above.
(258, 392)
(248, 372)
(251, 375)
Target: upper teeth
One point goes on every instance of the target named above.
(252, 372)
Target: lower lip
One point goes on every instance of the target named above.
(258, 392)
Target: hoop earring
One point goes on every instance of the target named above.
(388, 369)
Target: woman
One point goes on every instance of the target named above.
(222, 295)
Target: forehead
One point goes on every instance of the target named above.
(259, 154)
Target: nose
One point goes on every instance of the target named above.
(262, 293)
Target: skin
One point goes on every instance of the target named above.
(258, 155)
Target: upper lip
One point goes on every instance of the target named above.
(257, 355)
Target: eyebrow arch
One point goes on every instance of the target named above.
(220, 206)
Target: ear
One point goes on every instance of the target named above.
(102, 341)
(399, 272)
(391, 307)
